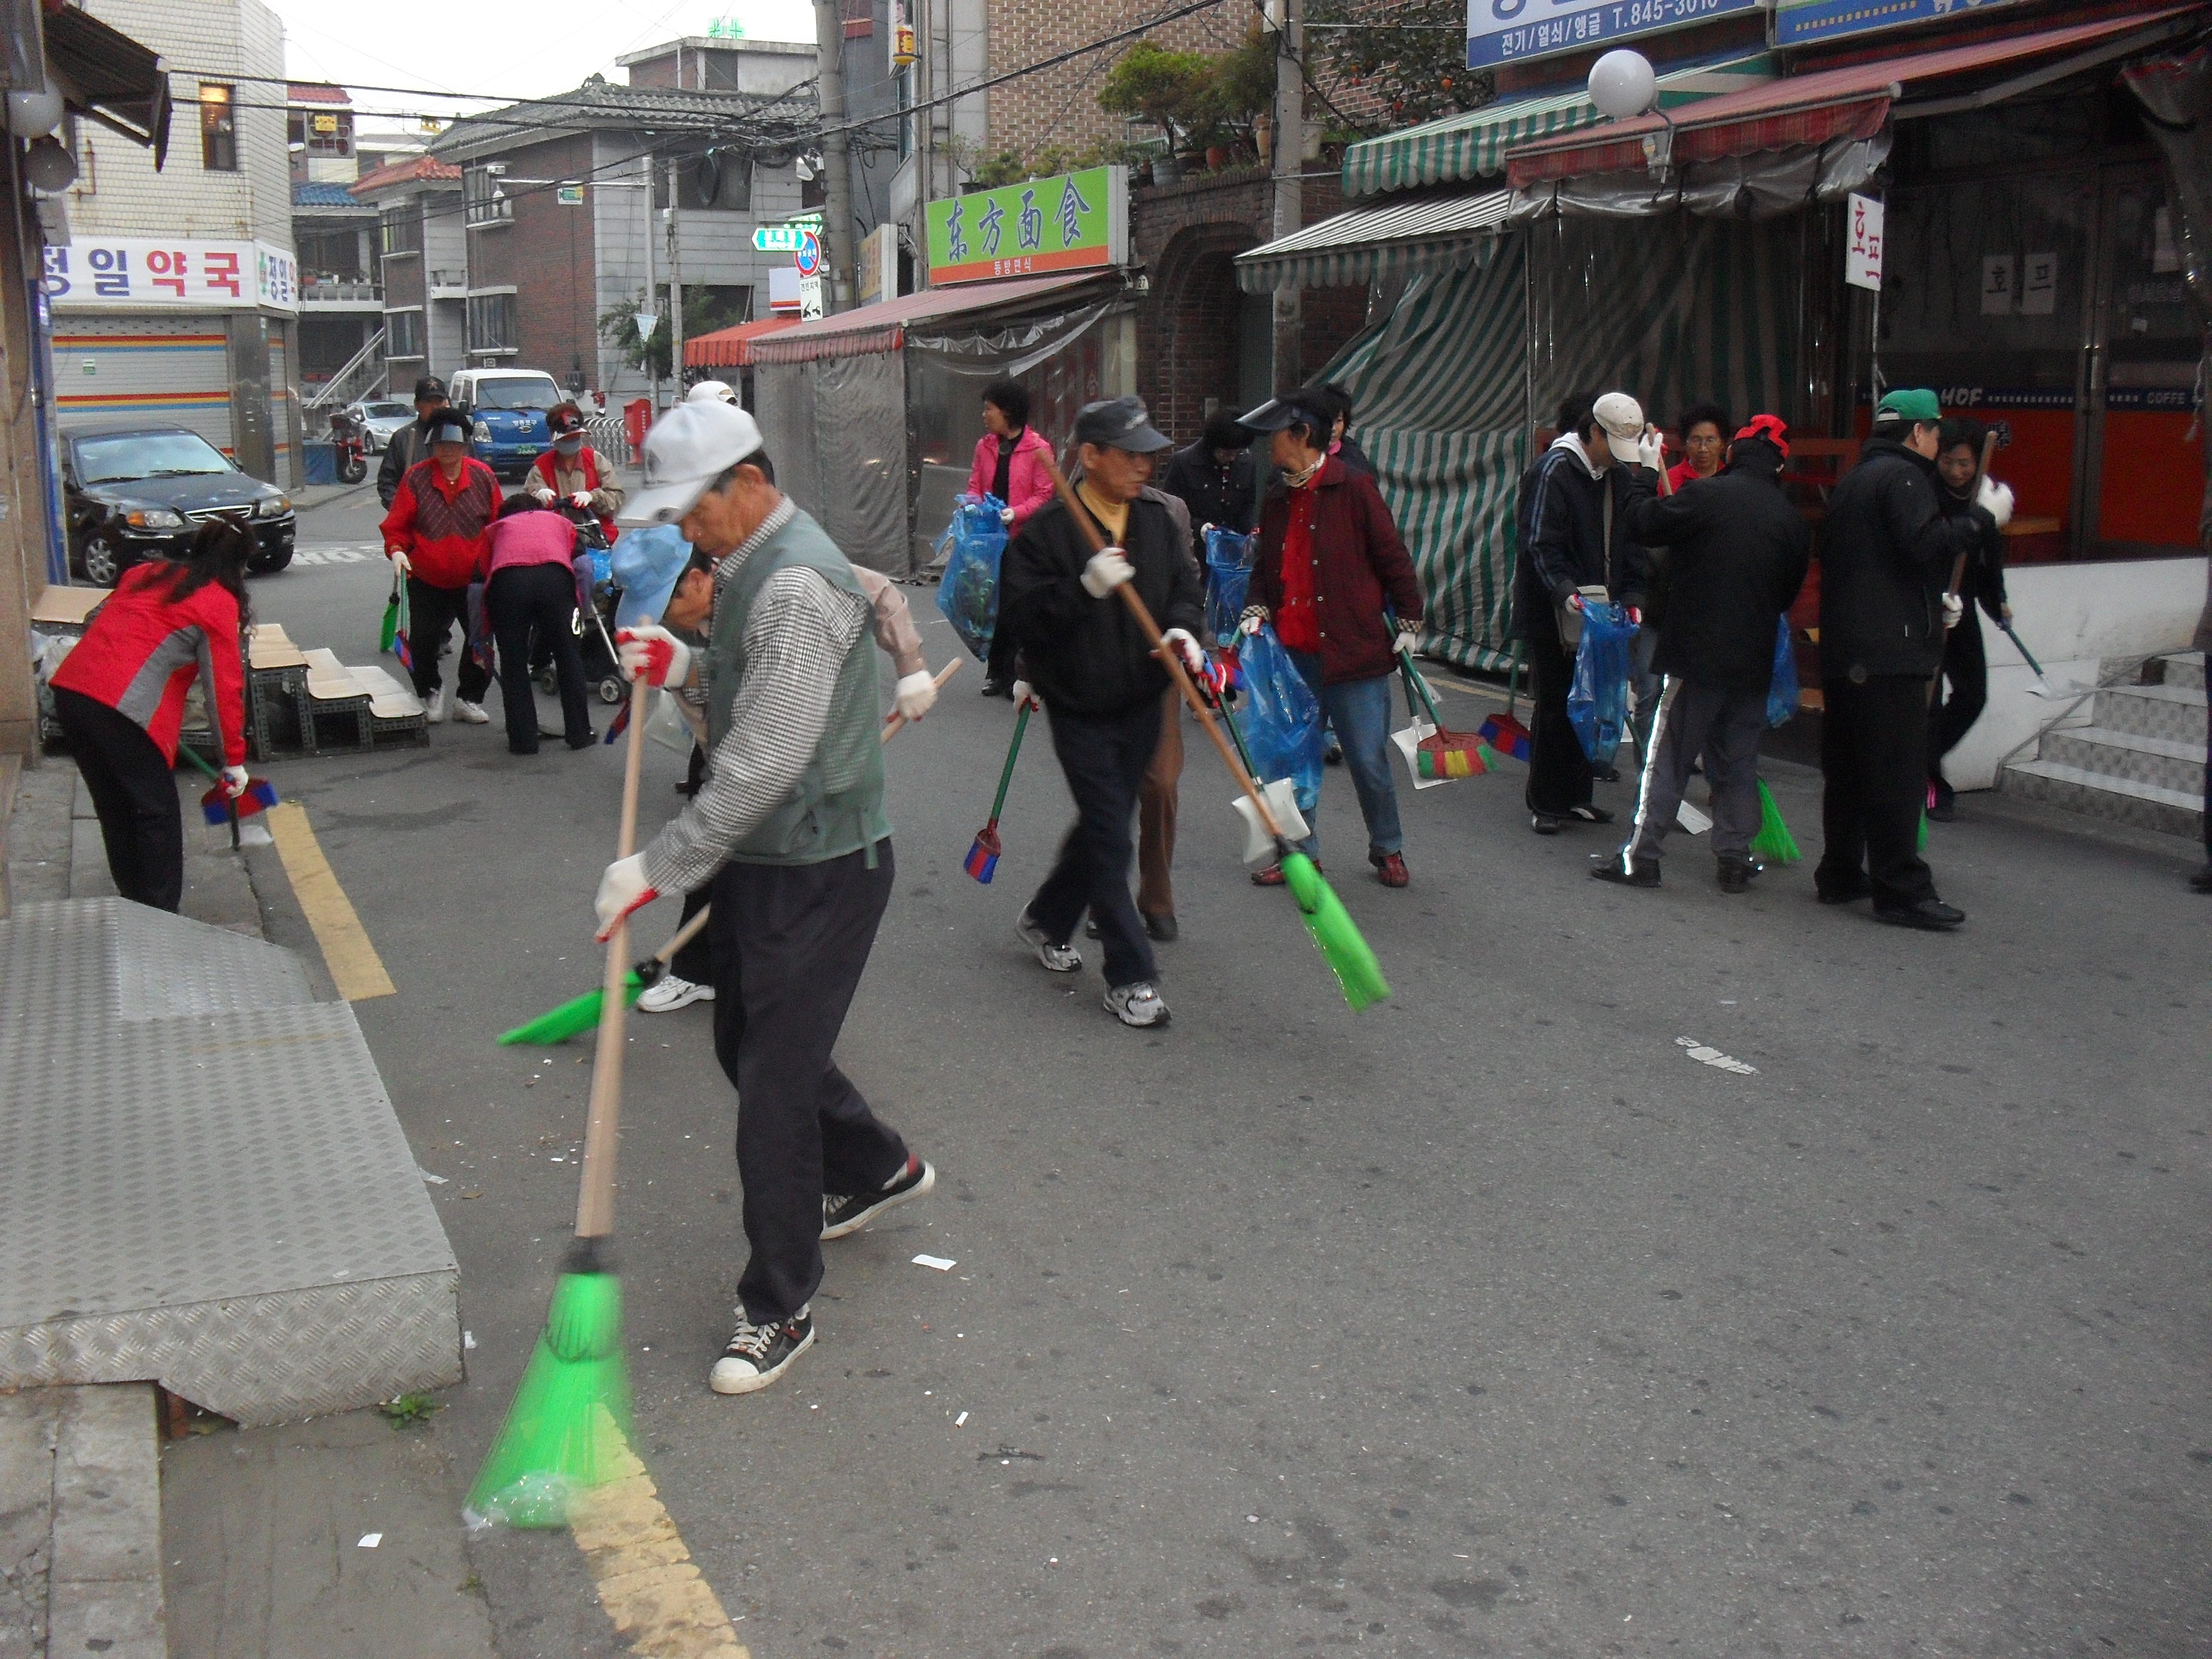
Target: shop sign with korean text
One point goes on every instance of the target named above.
(1070, 222)
(1806, 22)
(1862, 216)
(1517, 31)
(146, 273)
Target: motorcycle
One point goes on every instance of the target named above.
(350, 437)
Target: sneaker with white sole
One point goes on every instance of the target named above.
(436, 704)
(842, 1213)
(470, 713)
(1137, 1004)
(669, 992)
(1057, 959)
(758, 1354)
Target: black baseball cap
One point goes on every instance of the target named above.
(1119, 424)
(427, 387)
(1277, 413)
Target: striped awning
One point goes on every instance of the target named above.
(1367, 243)
(1473, 145)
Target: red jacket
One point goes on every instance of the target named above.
(1359, 564)
(144, 649)
(1028, 485)
(587, 459)
(443, 528)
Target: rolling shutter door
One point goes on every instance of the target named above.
(148, 369)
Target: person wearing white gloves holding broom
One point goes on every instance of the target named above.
(792, 812)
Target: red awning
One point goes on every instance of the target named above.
(732, 348)
(1808, 109)
(883, 326)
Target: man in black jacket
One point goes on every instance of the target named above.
(1887, 553)
(1740, 554)
(1965, 664)
(1573, 528)
(408, 445)
(1216, 479)
(1100, 684)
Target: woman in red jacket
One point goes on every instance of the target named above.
(438, 536)
(1010, 463)
(1330, 562)
(121, 695)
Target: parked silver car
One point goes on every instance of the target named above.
(380, 418)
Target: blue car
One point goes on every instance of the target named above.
(509, 405)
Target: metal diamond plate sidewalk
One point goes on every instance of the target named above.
(201, 1181)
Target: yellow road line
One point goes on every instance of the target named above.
(648, 1582)
(356, 969)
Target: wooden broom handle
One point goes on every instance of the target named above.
(595, 1202)
(684, 935)
(897, 720)
(1152, 632)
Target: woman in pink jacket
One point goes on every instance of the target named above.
(1010, 463)
(531, 589)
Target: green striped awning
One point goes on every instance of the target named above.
(1395, 238)
(1472, 145)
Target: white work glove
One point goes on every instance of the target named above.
(1408, 640)
(542, 493)
(1253, 619)
(1024, 693)
(1107, 570)
(1995, 500)
(1007, 517)
(915, 694)
(1178, 639)
(400, 562)
(1954, 609)
(623, 889)
(653, 652)
(235, 782)
(1651, 448)
(581, 501)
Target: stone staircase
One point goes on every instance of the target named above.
(2139, 759)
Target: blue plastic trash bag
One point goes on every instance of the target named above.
(967, 592)
(1782, 690)
(1281, 718)
(1597, 702)
(1228, 575)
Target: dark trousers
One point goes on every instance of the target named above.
(540, 596)
(135, 793)
(1967, 668)
(1560, 777)
(431, 614)
(1105, 762)
(790, 942)
(1874, 775)
(1725, 726)
(999, 664)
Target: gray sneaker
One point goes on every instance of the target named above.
(1137, 1004)
(1057, 959)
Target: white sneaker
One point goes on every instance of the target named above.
(1138, 1004)
(670, 993)
(439, 696)
(470, 713)
(1057, 959)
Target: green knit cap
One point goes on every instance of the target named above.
(1915, 403)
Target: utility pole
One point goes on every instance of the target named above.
(652, 282)
(836, 156)
(1289, 159)
(675, 292)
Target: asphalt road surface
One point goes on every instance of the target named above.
(1490, 1321)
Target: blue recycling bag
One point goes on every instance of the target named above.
(967, 592)
(1228, 576)
(1282, 719)
(1782, 690)
(1597, 702)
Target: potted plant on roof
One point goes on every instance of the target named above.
(1170, 89)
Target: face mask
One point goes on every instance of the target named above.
(569, 443)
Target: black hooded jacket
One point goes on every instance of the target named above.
(1886, 548)
(1738, 556)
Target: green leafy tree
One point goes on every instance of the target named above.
(1173, 90)
(705, 310)
(1406, 65)
(1244, 84)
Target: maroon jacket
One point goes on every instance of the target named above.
(1359, 564)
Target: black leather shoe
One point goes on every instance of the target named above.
(1735, 875)
(1163, 927)
(1589, 815)
(1930, 915)
(1090, 928)
(1608, 866)
(998, 689)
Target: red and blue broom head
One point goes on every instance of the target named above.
(1506, 735)
(983, 859)
(215, 806)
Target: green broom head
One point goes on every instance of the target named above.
(1333, 933)
(391, 630)
(1773, 844)
(567, 1430)
(571, 1019)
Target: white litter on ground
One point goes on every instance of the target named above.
(369, 1541)
(961, 1421)
(1714, 1058)
(936, 1261)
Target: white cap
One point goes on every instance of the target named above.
(711, 391)
(1622, 418)
(688, 449)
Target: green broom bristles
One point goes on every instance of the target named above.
(567, 1430)
(1491, 758)
(1333, 933)
(578, 1015)
(1920, 842)
(1773, 844)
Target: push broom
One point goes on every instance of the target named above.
(1503, 732)
(983, 859)
(1326, 919)
(1443, 753)
(567, 1431)
(218, 806)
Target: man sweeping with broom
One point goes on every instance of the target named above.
(792, 812)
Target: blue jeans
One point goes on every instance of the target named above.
(1359, 713)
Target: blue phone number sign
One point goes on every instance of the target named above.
(1516, 31)
(1800, 22)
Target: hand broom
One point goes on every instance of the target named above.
(983, 859)
(1326, 919)
(1503, 732)
(218, 807)
(1444, 753)
(568, 1430)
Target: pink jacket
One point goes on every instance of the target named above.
(541, 538)
(1027, 481)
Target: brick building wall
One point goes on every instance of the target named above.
(549, 253)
